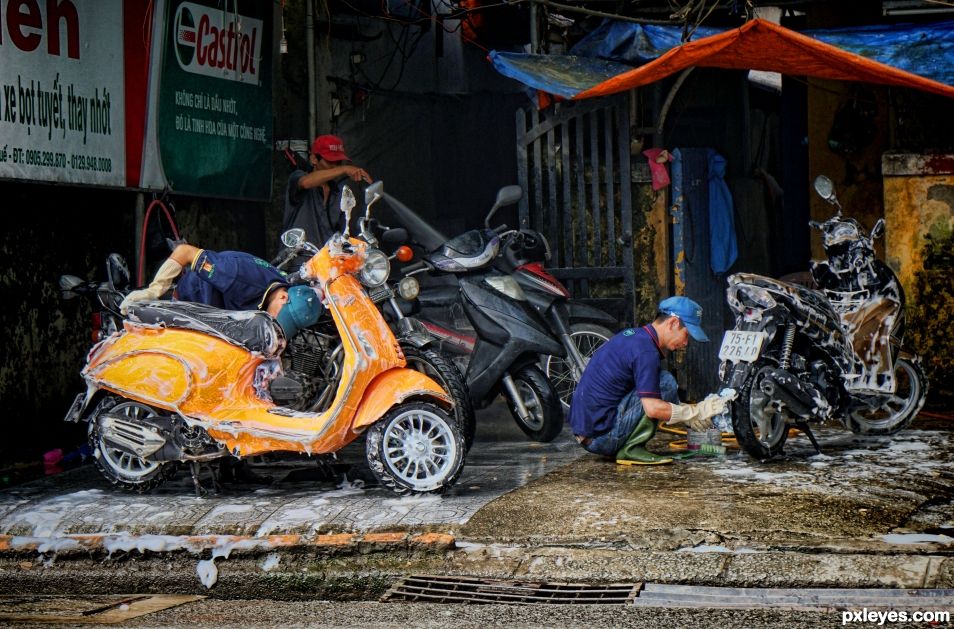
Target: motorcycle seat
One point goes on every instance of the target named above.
(253, 330)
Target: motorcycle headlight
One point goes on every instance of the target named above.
(375, 270)
(409, 288)
(757, 296)
(506, 285)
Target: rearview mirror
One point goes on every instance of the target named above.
(347, 204)
(373, 192)
(293, 237)
(878, 230)
(505, 196)
(824, 187)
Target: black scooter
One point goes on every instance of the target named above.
(509, 334)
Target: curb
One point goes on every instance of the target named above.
(342, 543)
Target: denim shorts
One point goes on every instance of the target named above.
(628, 414)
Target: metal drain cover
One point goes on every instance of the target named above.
(663, 595)
(444, 589)
(93, 610)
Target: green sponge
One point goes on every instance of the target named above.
(711, 449)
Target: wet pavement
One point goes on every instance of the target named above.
(299, 499)
(866, 512)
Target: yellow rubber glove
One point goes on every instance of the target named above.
(161, 283)
(697, 416)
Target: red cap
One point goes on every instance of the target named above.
(329, 147)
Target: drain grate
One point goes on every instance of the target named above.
(444, 589)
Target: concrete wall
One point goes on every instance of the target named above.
(919, 246)
(49, 231)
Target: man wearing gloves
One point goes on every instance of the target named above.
(623, 388)
(232, 280)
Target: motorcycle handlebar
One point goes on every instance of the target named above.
(418, 266)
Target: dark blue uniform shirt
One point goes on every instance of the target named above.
(232, 280)
(629, 361)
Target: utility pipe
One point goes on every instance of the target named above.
(310, 52)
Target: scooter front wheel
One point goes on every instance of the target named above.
(544, 419)
(416, 448)
(434, 364)
(588, 337)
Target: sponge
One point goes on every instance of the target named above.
(711, 449)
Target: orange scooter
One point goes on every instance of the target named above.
(185, 382)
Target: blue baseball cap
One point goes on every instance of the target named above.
(689, 312)
(302, 310)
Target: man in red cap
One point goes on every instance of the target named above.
(311, 199)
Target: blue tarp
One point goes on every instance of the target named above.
(926, 50)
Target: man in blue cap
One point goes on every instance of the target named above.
(623, 388)
(233, 280)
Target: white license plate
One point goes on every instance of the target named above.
(741, 346)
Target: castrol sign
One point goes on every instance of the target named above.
(220, 44)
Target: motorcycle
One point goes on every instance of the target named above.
(508, 334)
(188, 383)
(798, 356)
(420, 350)
(582, 329)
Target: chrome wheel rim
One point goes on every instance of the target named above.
(125, 465)
(420, 448)
(533, 404)
(767, 421)
(884, 411)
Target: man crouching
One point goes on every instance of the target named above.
(623, 389)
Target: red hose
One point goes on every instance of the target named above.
(142, 236)
(936, 415)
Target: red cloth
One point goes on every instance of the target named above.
(658, 161)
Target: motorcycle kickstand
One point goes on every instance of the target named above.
(195, 468)
(803, 426)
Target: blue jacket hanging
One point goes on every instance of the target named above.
(722, 243)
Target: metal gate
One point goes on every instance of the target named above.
(573, 162)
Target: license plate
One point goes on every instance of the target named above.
(741, 346)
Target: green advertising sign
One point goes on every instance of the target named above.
(215, 99)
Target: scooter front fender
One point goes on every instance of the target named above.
(393, 387)
(584, 312)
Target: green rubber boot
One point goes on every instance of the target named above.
(634, 451)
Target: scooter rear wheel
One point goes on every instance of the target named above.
(416, 448)
(541, 400)
(759, 427)
(120, 467)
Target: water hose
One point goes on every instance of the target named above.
(140, 271)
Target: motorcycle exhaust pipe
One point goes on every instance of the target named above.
(800, 398)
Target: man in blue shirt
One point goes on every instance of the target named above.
(232, 280)
(623, 388)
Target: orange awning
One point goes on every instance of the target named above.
(761, 45)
